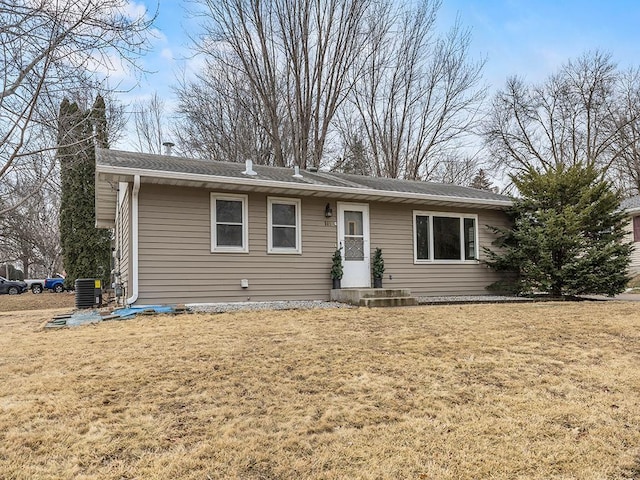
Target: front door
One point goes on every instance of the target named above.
(353, 239)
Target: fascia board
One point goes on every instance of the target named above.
(195, 177)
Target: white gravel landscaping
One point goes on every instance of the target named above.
(275, 305)
(311, 304)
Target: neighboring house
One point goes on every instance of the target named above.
(195, 231)
(632, 206)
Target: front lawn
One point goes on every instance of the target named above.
(32, 301)
(527, 391)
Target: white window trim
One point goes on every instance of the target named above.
(461, 216)
(284, 201)
(245, 223)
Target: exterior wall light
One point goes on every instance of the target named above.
(327, 211)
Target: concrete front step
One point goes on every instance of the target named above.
(374, 297)
(382, 292)
(388, 302)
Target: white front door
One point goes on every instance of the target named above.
(353, 239)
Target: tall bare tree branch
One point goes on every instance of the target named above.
(49, 50)
(585, 113)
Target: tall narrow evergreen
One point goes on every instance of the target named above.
(99, 116)
(85, 249)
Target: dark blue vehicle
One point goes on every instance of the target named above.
(12, 287)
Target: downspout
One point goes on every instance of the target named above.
(134, 241)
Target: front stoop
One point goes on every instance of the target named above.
(374, 297)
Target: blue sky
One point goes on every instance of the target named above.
(518, 37)
(533, 38)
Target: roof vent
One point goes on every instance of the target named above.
(249, 168)
(296, 172)
(167, 147)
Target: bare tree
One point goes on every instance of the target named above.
(456, 169)
(420, 95)
(296, 57)
(626, 171)
(29, 233)
(576, 116)
(149, 118)
(219, 118)
(288, 74)
(49, 50)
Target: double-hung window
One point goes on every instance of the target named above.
(229, 223)
(446, 237)
(283, 216)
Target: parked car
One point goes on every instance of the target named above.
(35, 285)
(12, 287)
(55, 283)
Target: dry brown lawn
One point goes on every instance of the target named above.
(537, 391)
(30, 301)
(634, 284)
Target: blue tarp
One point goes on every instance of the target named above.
(130, 312)
(81, 317)
(84, 316)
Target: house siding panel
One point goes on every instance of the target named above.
(176, 264)
(634, 267)
(123, 240)
(392, 231)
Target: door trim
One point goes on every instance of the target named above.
(356, 274)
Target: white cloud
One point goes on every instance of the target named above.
(167, 53)
(194, 64)
(135, 10)
(159, 36)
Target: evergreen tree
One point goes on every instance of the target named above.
(10, 272)
(99, 116)
(86, 250)
(481, 181)
(355, 160)
(567, 235)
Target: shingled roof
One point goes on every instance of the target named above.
(113, 166)
(631, 204)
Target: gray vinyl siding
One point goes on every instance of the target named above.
(392, 231)
(123, 241)
(176, 264)
(634, 267)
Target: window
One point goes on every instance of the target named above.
(229, 223)
(444, 237)
(470, 239)
(636, 229)
(353, 235)
(283, 225)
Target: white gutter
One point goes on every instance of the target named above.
(252, 181)
(134, 241)
(631, 211)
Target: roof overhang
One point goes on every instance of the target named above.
(632, 211)
(108, 177)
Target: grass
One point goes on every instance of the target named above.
(634, 284)
(535, 391)
(31, 301)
